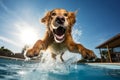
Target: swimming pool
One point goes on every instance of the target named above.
(21, 70)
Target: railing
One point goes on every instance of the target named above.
(115, 57)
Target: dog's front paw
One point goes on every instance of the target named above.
(32, 53)
(88, 54)
(38, 46)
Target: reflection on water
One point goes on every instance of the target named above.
(113, 73)
(21, 70)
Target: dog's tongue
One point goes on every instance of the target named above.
(59, 37)
(59, 31)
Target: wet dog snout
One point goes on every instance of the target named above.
(60, 20)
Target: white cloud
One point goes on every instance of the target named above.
(4, 39)
(9, 11)
(4, 7)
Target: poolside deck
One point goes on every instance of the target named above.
(104, 63)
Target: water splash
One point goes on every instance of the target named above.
(46, 70)
(48, 66)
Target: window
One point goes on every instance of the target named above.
(117, 49)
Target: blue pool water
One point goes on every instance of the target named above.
(30, 70)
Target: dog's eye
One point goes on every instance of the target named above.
(65, 14)
(53, 14)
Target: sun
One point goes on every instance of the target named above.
(27, 34)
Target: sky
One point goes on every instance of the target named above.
(97, 21)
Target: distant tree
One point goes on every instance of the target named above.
(5, 52)
(2, 47)
(8, 53)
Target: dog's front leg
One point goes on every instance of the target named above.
(78, 48)
(39, 45)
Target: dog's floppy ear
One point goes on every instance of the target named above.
(72, 17)
(46, 18)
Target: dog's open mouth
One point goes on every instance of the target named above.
(59, 34)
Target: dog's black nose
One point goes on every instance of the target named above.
(60, 20)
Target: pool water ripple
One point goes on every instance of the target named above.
(21, 70)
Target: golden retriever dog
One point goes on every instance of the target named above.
(58, 37)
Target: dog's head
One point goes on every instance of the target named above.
(59, 22)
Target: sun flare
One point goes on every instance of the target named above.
(28, 35)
